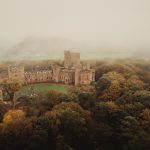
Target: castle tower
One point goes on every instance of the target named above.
(71, 59)
(67, 59)
(16, 73)
(77, 74)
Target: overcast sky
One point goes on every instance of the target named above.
(110, 23)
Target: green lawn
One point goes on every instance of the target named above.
(43, 88)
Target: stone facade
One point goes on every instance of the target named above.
(38, 76)
(71, 73)
(84, 75)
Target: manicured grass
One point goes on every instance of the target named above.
(44, 88)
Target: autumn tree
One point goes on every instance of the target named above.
(102, 84)
(114, 90)
(71, 121)
(144, 118)
(13, 115)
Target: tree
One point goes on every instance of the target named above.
(144, 119)
(80, 89)
(143, 97)
(13, 115)
(114, 88)
(72, 122)
(102, 84)
(134, 83)
(41, 137)
(3, 110)
(132, 135)
(87, 100)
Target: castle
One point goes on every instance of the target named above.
(72, 72)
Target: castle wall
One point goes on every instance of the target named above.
(84, 75)
(87, 76)
(39, 76)
(67, 76)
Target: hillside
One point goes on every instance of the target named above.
(38, 48)
(142, 53)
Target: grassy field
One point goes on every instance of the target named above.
(43, 88)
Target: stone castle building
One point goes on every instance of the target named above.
(72, 72)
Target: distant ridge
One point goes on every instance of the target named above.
(38, 48)
(142, 53)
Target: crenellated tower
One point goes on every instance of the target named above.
(16, 73)
(71, 59)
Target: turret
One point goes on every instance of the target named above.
(77, 74)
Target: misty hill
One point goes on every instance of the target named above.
(53, 48)
(142, 53)
(39, 48)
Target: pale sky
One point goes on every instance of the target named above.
(110, 23)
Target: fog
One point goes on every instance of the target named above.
(119, 27)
